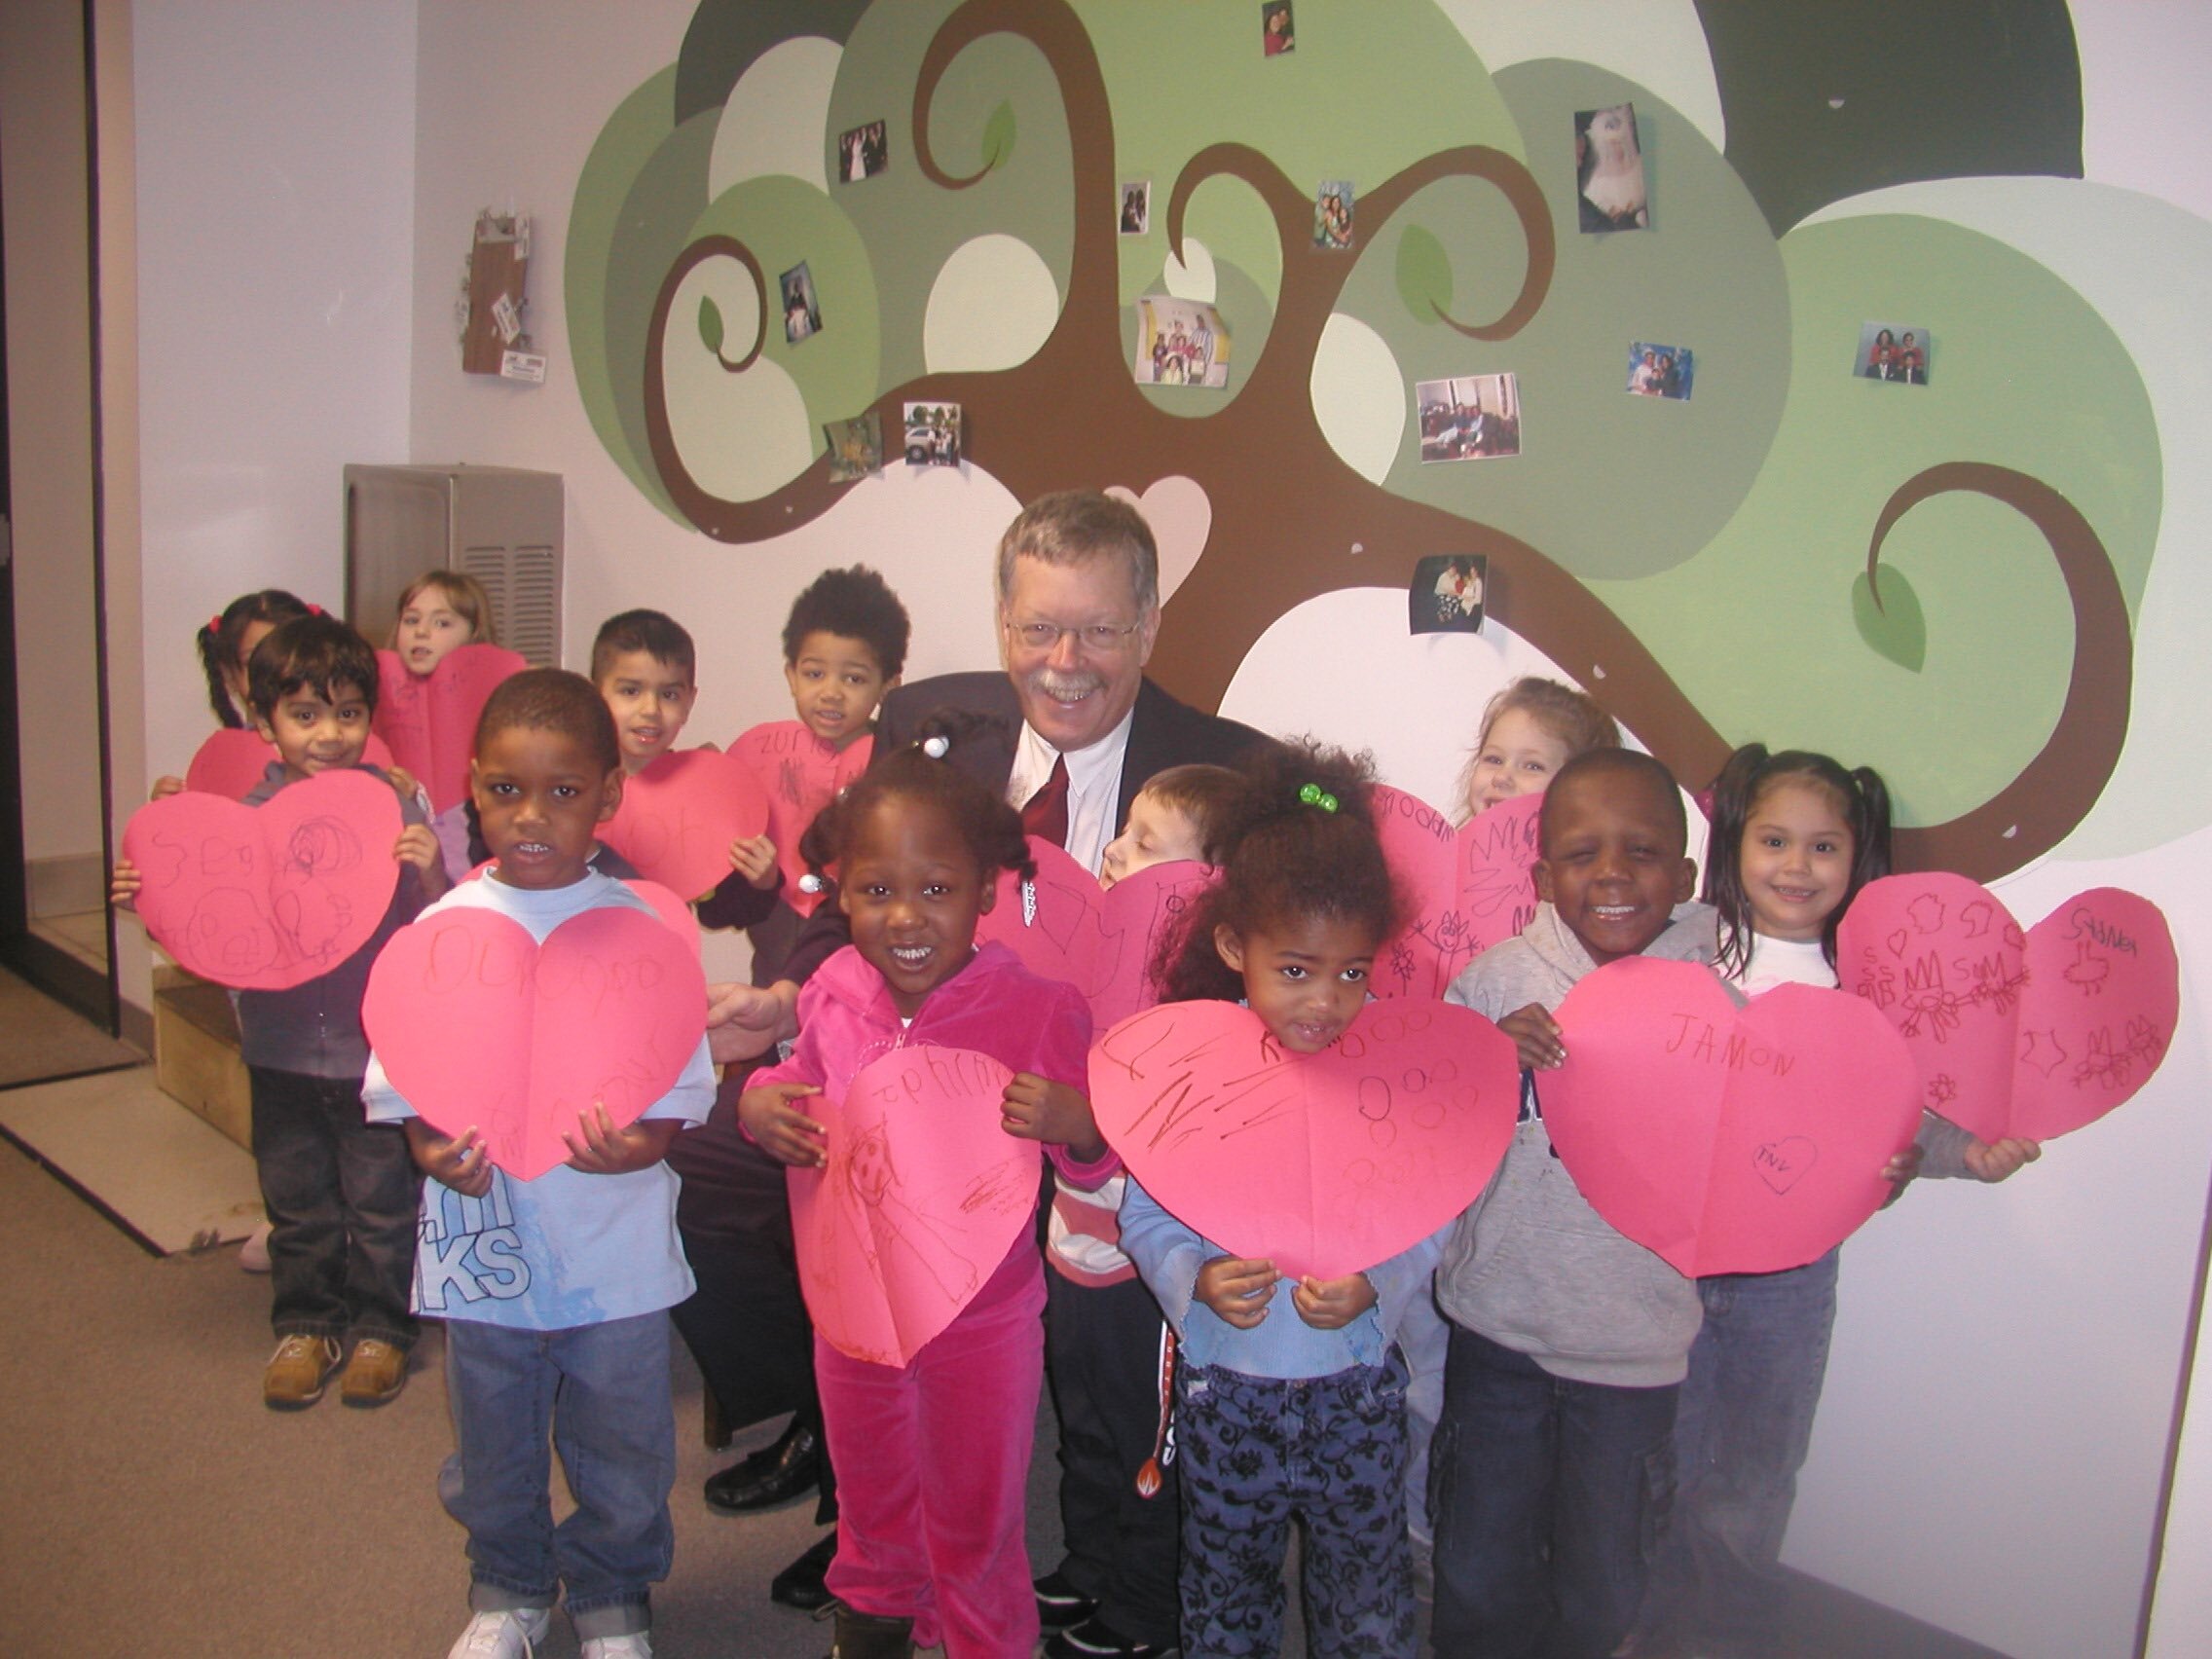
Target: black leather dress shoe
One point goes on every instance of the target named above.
(770, 1477)
(801, 1585)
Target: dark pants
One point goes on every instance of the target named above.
(1102, 1360)
(746, 1323)
(1260, 1452)
(1547, 1496)
(341, 1194)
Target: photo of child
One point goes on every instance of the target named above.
(1446, 595)
(1609, 170)
(801, 315)
(1659, 371)
(861, 152)
(1475, 418)
(1332, 214)
(1180, 342)
(856, 447)
(1889, 353)
(933, 434)
(1136, 207)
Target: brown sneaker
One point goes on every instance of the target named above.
(297, 1372)
(374, 1376)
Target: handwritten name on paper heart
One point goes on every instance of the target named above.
(476, 1024)
(801, 775)
(429, 720)
(679, 815)
(233, 761)
(1471, 887)
(2032, 1033)
(1326, 1163)
(265, 897)
(1102, 941)
(1727, 1139)
(922, 1197)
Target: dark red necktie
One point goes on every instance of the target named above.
(1046, 816)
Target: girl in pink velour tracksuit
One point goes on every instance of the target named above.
(932, 1458)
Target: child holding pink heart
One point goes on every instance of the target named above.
(934, 1456)
(1794, 838)
(225, 643)
(1290, 1393)
(554, 1290)
(1528, 731)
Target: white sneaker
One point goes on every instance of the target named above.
(512, 1633)
(637, 1644)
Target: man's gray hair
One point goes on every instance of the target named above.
(1079, 527)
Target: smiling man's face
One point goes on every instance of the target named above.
(1075, 691)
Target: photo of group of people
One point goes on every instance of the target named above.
(1474, 418)
(1609, 170)
(1446, 595)
(1888, 352)
(861, 152)
(1660, 371)
(1180, 342)
(802, 316)
(933, 434)
(1332, 214)
(1277, 33)
(856, 447)
(1136, 207)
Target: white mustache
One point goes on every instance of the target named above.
(1066, 688)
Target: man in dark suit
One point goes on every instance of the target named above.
(1070, 730)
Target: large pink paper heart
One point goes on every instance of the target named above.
(477, 1023)
(233, 762)
(1101, 942)
(922, 1197)
(265, 897)
(2033, 1034)
(1326, 1163)
(431, 720)
(1470, 888)
(801, 775)
(1727, 1139)
(679, 815)
(1179, 515)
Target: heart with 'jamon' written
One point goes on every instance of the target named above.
(2030, 1034)
(923, 1196)
(1727, 1138)
(679, 815)
(1470, 888)
(265, 897)
(233, 762)
(429, 720)
(1101, 940)
(801, 775)
(476, 1024)
(1325, 1163)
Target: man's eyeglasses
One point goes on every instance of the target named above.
(1100, 638)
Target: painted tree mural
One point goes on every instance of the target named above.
(1938, 579)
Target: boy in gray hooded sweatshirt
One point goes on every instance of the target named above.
(1569, 1340)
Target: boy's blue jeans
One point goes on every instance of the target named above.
(1740, 1435)
(341, 1194)
(1547, 1494)
(603, 1391)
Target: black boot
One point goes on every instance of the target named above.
(801, 1584)
(866, 1635)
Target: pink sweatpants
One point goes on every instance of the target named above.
(933, 1464)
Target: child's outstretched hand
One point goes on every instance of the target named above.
(124, 885)
(1535, 1033)
(599, 1148)
(1330, 1304)
(1989, 1161)
(1900, 1171)
(456, 1162)
(788, 1134)
(418, 845)
(166, 786)
(1035, 1109)
(753, 857)
(1238, 1291)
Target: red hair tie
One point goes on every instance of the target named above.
(315, 611)
(215, 623)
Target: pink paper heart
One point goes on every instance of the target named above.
(265, 897)
(1326, 1163)
(477, 1023)
(233, 762)
(1727, 1139)
(1103, 942)
(679, 815)
(801, 775)
(1180, 517)
(2031, 1034)
(922, 1197)
(1470, 888)
(429, 720)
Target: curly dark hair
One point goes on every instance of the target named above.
(218, 640)
(916, 778)
(1861, 797)
(854, 603)
(1284, 858)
